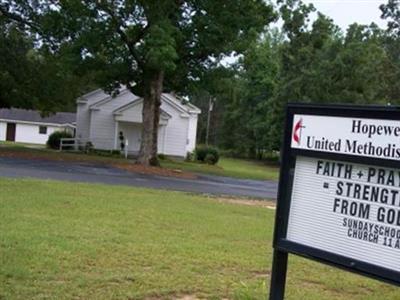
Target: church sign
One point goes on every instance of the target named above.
(339, 191)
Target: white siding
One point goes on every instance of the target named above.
(3, 129)
(191, 145)
(132, 132)
(171, 137)
(175, 132)
(82, 121)
(161, 139)
(83, 113)
(133, 113)
(29, 133)
(95, 96)
(102, 122)
(176, 136)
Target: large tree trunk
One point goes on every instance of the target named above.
(153, 85)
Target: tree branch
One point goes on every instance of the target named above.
(17, 18)
(33, 26)
(130, 46)
(129, 43)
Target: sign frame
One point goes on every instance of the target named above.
(282, 246)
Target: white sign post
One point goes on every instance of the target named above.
(126, 148)
(339, 191)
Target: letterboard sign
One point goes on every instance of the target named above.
(339, 191)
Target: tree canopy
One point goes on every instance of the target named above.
(306, 61)
(182, 46)
(146, 45)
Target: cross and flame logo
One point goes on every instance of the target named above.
(297, 131)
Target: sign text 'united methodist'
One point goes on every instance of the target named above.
(354, 136)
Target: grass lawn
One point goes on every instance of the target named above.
(40, 151)
(80, 241)
(231, 167)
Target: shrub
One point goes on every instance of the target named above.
(53, 141)
(210, 159)
(272, 157)
(88, 147)
(189, 156)
(115, 152)
(102, 152)
(202, 152)
(161, 156)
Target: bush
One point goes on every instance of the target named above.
(88, 147)
(115, 152)
(189, 156)
(53, 141)
(200, 153)
(102, 152)
(207, 154)
(272, 157)
(161, 156)
(210, 159)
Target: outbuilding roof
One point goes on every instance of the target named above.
(17, 114)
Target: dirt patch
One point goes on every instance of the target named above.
(249, 202)
(187, 297)
(261, 274)
(155, 171)
(174, 296)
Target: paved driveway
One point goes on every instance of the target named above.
(94, 173)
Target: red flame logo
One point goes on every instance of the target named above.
(297, 131)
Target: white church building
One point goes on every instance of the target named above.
(101, 119)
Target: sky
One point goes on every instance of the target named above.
(343, 13)
(346, 12)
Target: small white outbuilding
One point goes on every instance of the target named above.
(102, 119)
(28, 126)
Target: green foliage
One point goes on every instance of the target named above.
(160, 47)
(89, 147)
(320, 65)
(391, 12)
(161, 156)
(115, 152)
(211, 159)
(140, 43)
(190, 156)
(120, 41)
(311, 62)
(185, 42)
(53, 141)
(207, 154)
(35, 78)
(103, 153)
(245, 125)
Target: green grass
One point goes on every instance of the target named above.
(80, 241)
(38, 151)
(231, 167)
